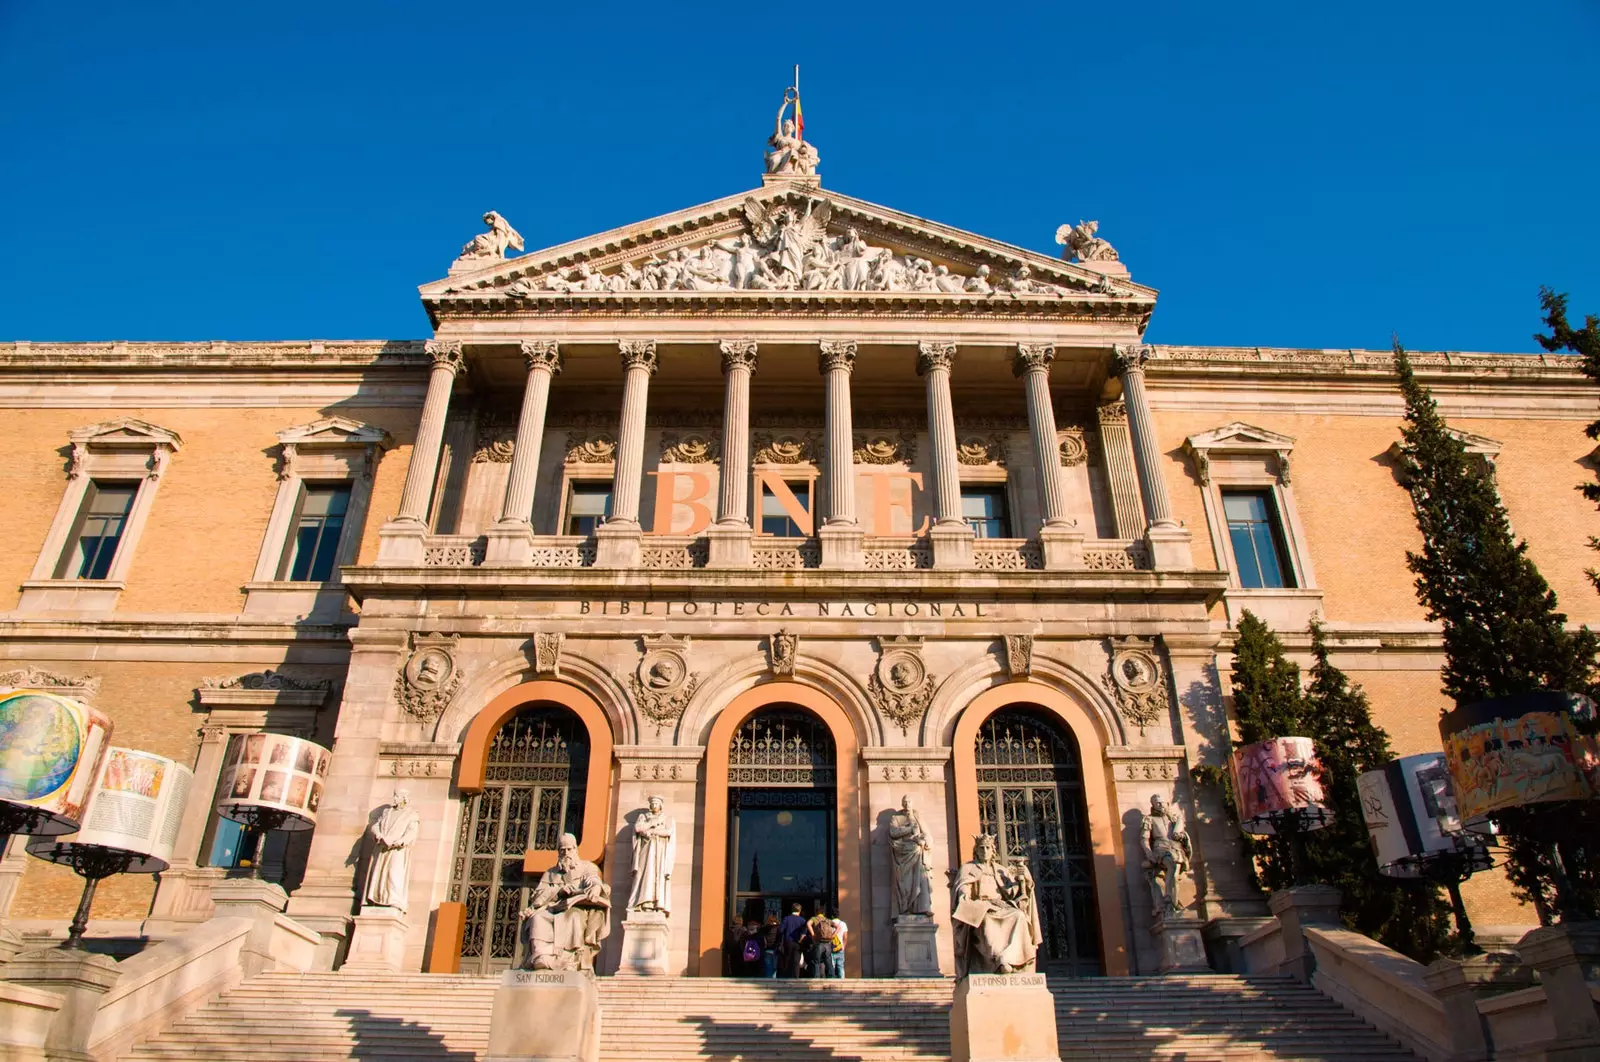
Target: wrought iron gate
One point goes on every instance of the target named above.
(533, 789)
(1031, 797)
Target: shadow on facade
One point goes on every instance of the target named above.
(377, 1037)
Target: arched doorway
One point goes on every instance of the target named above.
(534, 788)
(1030, 789)
(782, 803)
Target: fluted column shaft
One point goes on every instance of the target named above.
(424, 467)
(738, 364)
(1129, 365)
(544, 362)
(836, 362)
(638, 365)
(934, 362)
(1033, 365)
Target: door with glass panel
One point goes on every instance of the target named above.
(1031, 798)
(533, 790)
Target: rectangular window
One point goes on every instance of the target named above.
(588, 505)
(314, 536)
(775, 519)
(1259, 555)
(984, 509)
(97, 530)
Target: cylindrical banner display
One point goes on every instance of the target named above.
(51, 749)
(1275, 777)
(137, 806)
(275, 772)
(1514, 751)
(1410, 811)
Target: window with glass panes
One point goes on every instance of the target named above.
(101, 521)
(588, 505)
(984, 510)
(775, 520)
(1259, 556)
(314, 536)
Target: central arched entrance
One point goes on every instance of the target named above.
(782, 805)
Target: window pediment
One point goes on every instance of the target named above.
(1238, 438)
(125, 432)
(1479, 446)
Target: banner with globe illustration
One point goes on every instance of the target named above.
(136, 806)
(51, 749)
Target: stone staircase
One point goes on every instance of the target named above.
(445, 1018)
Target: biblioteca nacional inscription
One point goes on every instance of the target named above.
(817, 609)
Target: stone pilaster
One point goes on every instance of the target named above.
(888, 775)
(1116, 451)
(841, 533)
(730, 536)
(401, 540)
(510, 540)
(950, 534)
(1168, 542)
(671, 772)
(618, 538)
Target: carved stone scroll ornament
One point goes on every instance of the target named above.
(429, 679)
(33, 678)
(591, 447)
(690, 448)
(547, 653)
(663, 683)
(900, 685)
(263, 680)
(1137, 682)
(884, 448)
(782, 648)
(981, 450)
(497, 438)
(786, 448)
(1019, 655)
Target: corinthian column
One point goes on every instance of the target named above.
(510, 540)
(1167, 542)
(841, 533)
(738, 365)
(1061, 541)
(618, 544)
(950, 535)
(401, 540)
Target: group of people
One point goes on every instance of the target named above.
(795, 946)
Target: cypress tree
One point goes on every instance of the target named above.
(1503, 632)
(1585, 343)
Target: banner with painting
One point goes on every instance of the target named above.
(136, 805)
(1277, 777)
(1509, 752)
(51, 750)
(274, 771)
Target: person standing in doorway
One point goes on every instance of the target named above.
(841, 931)
(821, 955)
(792, 947)
(771, 944)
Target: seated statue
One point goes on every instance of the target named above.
(996, 917)
(568, 915)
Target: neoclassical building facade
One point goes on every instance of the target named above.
(782, 508)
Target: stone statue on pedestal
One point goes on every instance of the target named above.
(492, 245)
(655, 850)
(568, 915)
(1167, 855)
(389, 873)
(908, 844)
(996, 915)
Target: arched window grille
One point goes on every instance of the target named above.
(782, 747)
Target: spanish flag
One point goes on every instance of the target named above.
(799, 117)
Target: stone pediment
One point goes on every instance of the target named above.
(782, 244)
(1239, 436)
(335, 431)
(127, 432)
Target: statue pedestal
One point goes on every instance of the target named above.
(1180, 943)
(1003, 1018)
(645, 937)
(915, 953)
(545, 1016)
(378, 942)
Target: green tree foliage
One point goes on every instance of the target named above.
(1269, 702)
(1585, 343)
(1503, 632)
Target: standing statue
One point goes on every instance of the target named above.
(996, 918)
(789, 152)
(568, 915)
(389, 872)
(493, 244)
(655, 850)
(908, 844)
(1081, 242)
(1167, 855)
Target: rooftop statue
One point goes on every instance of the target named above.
(788, 152)
(1083, 245)
(493, 244)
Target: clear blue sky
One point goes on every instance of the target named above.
(1286, 174)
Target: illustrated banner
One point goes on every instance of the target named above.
(51, 749)
(136, 805)
(274, 771)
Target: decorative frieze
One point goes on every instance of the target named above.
(33, 678)
(497, 438)
(1146, 763)
(261, 680)
(1007, 555)
(885, 448)
(662, 684)
(786, 448)
(900, 685)
(690, 448)
(417, 759)
(981, 450)
(591, 447)
(430, 678)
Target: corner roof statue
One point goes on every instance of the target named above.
(789, 151)
(1083, 245)
(493, 244)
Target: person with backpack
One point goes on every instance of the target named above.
(821, 956)
(750, 949)
(771, 942)
(841, 930)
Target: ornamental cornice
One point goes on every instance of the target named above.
(315, 355)
(1273, 361)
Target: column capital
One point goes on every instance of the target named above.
(1112, 413)
(446, 353)
(542, 354)
(932, 355)
(638, 353)
(738, 354)
(1129, 358)
(1031, 357)
(837, 354)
